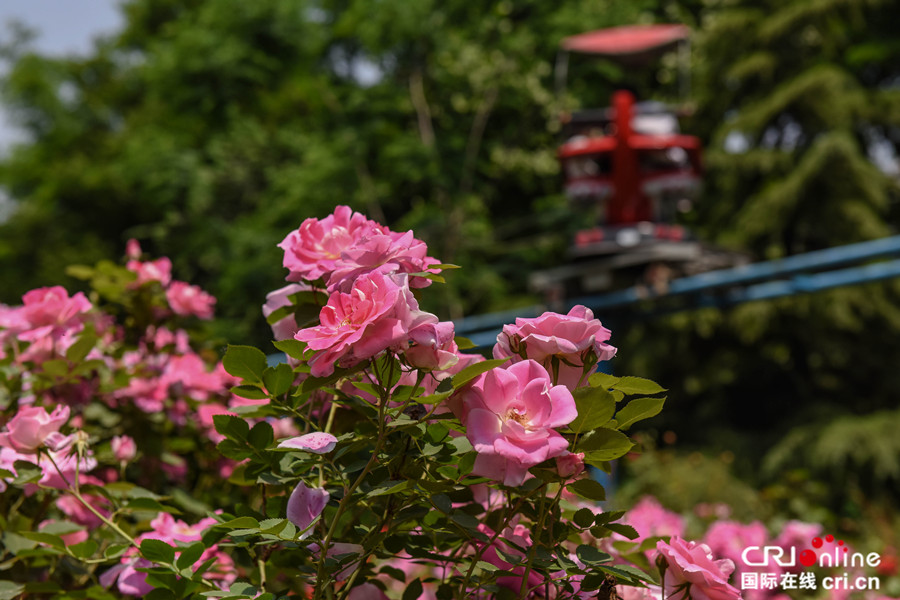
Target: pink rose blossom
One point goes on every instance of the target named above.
(31, 426)
(133, 582)
(156, 270)
(570, 465)
(123, 448)
(692, 573)
(516, 534)
(376, 314)
(73, 508)
(650, 519)
(433, 348)
(510, 415)
(383, 251)
(310, 252)
(317, 442)
(564, 342)
(133, 249)
(304, 507)
(367, 591)
(190, 300)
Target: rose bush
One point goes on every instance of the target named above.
(377, 459)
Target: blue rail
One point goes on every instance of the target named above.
(803, 273)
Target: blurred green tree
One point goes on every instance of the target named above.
(799, 104)
(211, 128)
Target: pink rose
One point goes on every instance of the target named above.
(304, 507)
(155, 270)
(187, 300)
(433, 348)
(570, 465)
(576, 341)
(317, 442)
(384, 251)
(69, 539)
(31, 426)
(510, 414)
(133, 249)
(123, 448)
(376, 314)
(310, 252)
(691, 564)
(520, 536)
(367, 591)
(650, 519)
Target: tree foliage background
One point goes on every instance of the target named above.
(208, 129)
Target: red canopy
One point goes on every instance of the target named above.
(630, 41)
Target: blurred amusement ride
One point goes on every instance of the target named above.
(630, 165)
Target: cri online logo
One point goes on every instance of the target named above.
(838, 556)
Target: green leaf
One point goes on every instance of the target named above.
(604, 445)
(637, 385)
(245, 362)
(293, 348)
(623, 529)
(278, 379)
(45, 538)
(413, 590)
(239, 523)
(82, 272)
(9, 590)
(473, 371)
(26, 472)
(251, 392)
(590, 555)
(56, 367)
(190, 555)
(464, 343)
(82, 346)
(232, 427)
(589, 489)
(584, 517)
(391, 487)
(261, 436)
(639, 409)
(595, 407)
(160, 594)
(85, 549)
(157, 551)
(603, 380)
(150, 505)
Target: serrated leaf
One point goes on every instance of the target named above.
(590, 555)
(637, 410)
(293, 348)
(85, 549)
(150, 505)
(250, 392)
(584, 517)
(232, 427)
(278, 379)
(190, 555)
(473, 371)
(595, 407)
(589, 489)
(245, 362)
(157, 551)
(603, 380)
(82, 346)
(10, 590)
(391, 487)
(239, 523)
(637, 385)
(623, 529)
(261, 436)
(26, 472)
(413, 590)
(51, 540)
(604, 445)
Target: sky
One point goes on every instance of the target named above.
(61, 27)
